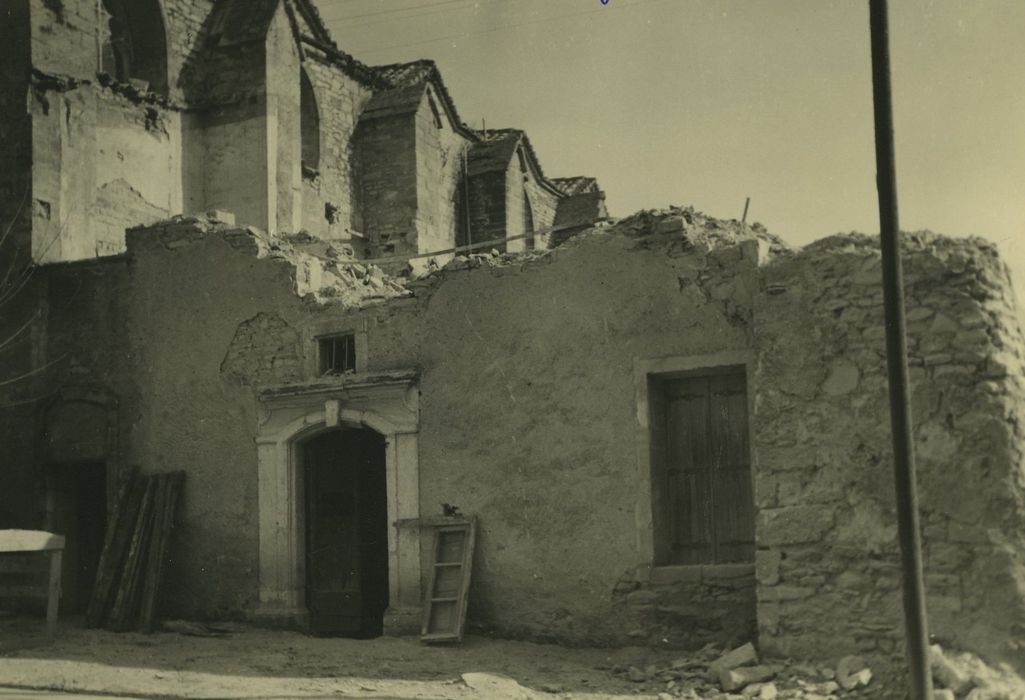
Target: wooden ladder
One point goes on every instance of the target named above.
(445, 606)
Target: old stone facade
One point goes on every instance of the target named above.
(190, 105)
(543, 387)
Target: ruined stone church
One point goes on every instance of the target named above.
(230, 248)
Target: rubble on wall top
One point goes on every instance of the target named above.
(955, 253)
(325, 271)
(697, 228)
(673, 224)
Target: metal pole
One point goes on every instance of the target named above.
(915, 625)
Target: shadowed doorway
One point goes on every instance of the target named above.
(78, 502)
(346, 533)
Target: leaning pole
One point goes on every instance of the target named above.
(915, 624)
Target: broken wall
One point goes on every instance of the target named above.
(824, 484)
(529, 381)
(101, 162)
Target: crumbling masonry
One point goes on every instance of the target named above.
(530, 382)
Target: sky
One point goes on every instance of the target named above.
(707, 102)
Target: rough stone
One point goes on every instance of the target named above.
(738, 678)
(843, 379)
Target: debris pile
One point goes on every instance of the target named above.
(325, 271)
(693, 227)
(714, 674)
(740, 673)
(964, 676)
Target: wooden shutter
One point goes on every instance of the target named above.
(708, 473)
(687, 471)
(733, 517)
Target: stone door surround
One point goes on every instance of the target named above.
(386, 402)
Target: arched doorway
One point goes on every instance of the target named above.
(134, 43)
(346, 531)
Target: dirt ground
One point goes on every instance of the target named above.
(248, 662)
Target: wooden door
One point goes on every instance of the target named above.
(708, 470)
(346, 533)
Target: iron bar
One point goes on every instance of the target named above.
(915, 622)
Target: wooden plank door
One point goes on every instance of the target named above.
(333, 594)
(709, 503)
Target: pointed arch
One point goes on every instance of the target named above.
(134, 43)
(309, 123)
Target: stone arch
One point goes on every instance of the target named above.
(134, 43)
(528, 220)
(309, 123)
(291, 422)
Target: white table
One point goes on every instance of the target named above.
(37, 541)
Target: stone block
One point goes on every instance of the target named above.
(715, 572)
(737, 678)
(741, 656)
(767, 566)
(772, 594)
(793, 524)
(843, 379)
(661, 575)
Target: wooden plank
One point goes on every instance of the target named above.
(689, 462)
(126, 592)
(153, 553)
(113, 550)
(158, 549)
(734, 514)
(30, 541)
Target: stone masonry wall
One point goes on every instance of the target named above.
(487, 206)
(284, 164)
(824, 484)
(15, 132)
(101, 162)
(542, 205)
(329, 198)
(439, 151)
(386, 157)
(202, 316)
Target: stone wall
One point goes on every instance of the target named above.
(15, 132)
(824, 485)
(487, 206)
(555, 348)
(284, 163)
(386, 158)
(440, 150)
(329, 199)
(101, 162)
